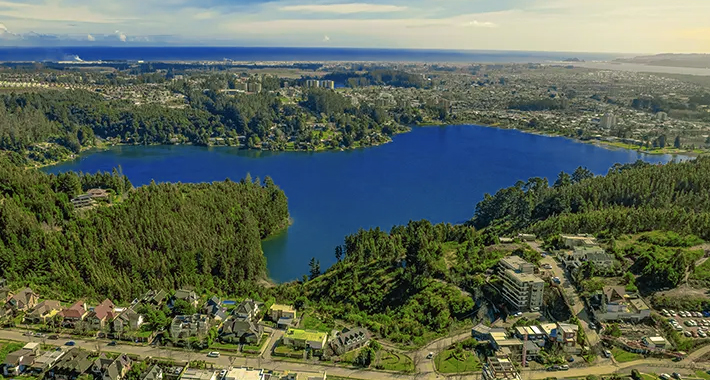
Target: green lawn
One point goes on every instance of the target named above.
(702, 375)
(622, 356)
(310, 322)
(259, 345)
(448, 362)
(8, 348)
(645, 376)
(392, 361)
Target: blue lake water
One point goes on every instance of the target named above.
(435, 173)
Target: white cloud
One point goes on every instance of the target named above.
(480, 24)
(121, 36)
(326, 38)
(54, 10)
(343, 8)
(89, 37)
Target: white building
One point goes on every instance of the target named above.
(608, 121)
(522, 289)
(244, 374)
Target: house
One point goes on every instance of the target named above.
(615, 303)
(82, 201)
(129, 320)
(74, 314)
(188, 296)
(277, 312)
(184, 326)
(42, 312)
(567, 334)
(349, 340)
(500, 369)
(98, 194)
(70, 366)
(23, 300)
(154, 297)
(213, 307)
(244, 374)
(527, 237)
(593, 254)
(298, 338)
(241, 331)
(198, 374)
(18, 361)
(154, 373)
(532, 332)
(248, 310)
(104, 368)
(103, 313)
(571, 241)
(655, 342)
(46, 360)
(484, 333)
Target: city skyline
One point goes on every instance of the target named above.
(636, 26)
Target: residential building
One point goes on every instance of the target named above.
(98, 194)
(327, 84)
(608, 121)
(97, 318)
(46, 360)
(499, 369)
(70, 366)
(116, 368)
(522, 290)
(654, 342)
(532, 332)
(18, 361)
(128, 320)
(23, 300)
(73, 315)
(349, 340)
(184, 326)
(571, 241)
(527, 237)
(82, 201)
(247, 310)
(241, 331)
(591, 253)
(282, 311)
(244, 374)
(482, 332)
(615, 303)
(42, 312)
(198, 374)
(254, 87)
(312, 83)
(186, 295)
(213, 307)
(154, 373)
(154, 297)
(567, 334)
(298, 338)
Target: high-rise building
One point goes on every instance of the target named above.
(521, 289)
(254, 87)
(327, 84)
(608, 121)
(312, 83)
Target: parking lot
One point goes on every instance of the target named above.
(693, 324)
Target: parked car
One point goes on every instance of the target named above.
(112, 343)
(430, 355)
(213, 354)
(687, 334)
(70, 343)
(564, 367)
(570, 359)
(54, 336)
(664, 376)
(607, 354)
(518, 314)
(677, 376)
(553, 368)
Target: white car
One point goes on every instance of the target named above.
(702, 334)
(213, 354)
(431, 355)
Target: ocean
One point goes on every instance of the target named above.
(270, 54)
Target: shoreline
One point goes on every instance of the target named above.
(610, 145)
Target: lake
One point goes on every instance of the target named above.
(435, 173)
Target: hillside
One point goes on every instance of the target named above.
(160, 235)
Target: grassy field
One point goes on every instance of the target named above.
(392, 361)
(622, 356)
(310, 322)
(702, 375)
(259, 345)
(448, 362)
(8, 348)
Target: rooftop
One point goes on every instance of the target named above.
(243, 374)
(307, 335)
(198, 374)
(282, 307)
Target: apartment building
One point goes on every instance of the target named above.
(521, 288)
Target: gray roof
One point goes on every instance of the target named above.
(153, 373)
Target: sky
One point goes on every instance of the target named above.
(616, 26)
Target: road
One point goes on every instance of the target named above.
(425, 367)
(578, 308)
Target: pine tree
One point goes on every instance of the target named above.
(314, 266)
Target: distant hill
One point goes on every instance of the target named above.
(674, 60)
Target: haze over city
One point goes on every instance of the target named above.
(632, 26)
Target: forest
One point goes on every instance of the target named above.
(47, 126)
(155, 236)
